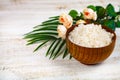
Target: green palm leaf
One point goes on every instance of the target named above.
(54, 47)
(65, 53)
(40, 39)
(59, 49)
(50, 48)
(47, 32)
(41, 45)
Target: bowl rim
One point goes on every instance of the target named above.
(104, 27)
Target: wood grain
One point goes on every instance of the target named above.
(18, 62)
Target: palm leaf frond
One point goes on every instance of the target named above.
(54, 17)
(54, 47)
(41, 45)
(47, 32)
(50, 47)
(59, 49)
(40, 39)
(65, 53)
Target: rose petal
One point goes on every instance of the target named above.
(61, 31)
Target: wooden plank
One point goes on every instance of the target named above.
(18, 62)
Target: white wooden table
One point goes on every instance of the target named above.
(18, 62)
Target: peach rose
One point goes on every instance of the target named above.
(66, 20)
(61, 31)
(89, 14)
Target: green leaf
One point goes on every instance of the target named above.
(81, 15)
(50, 23)
(41, 45)
(59, 49)
(110, 24)
(46, 26)
(50, 48)
(92, 7)
(110, 10)
(73, 14)
(51, 20)
(70, 57)
(65, 53)
(54, 17)
(40, 34)
(45, 29)
(118, 24)
(100, 12)
(55, 46)
(50, 27)
(34, 40)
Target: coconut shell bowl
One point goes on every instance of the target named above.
(87, 55)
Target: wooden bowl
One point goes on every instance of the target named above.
(90, 55)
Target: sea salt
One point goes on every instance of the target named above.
(90, 35)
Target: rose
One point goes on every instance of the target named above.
(66, 20)
(89, 14)
(61, 29)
